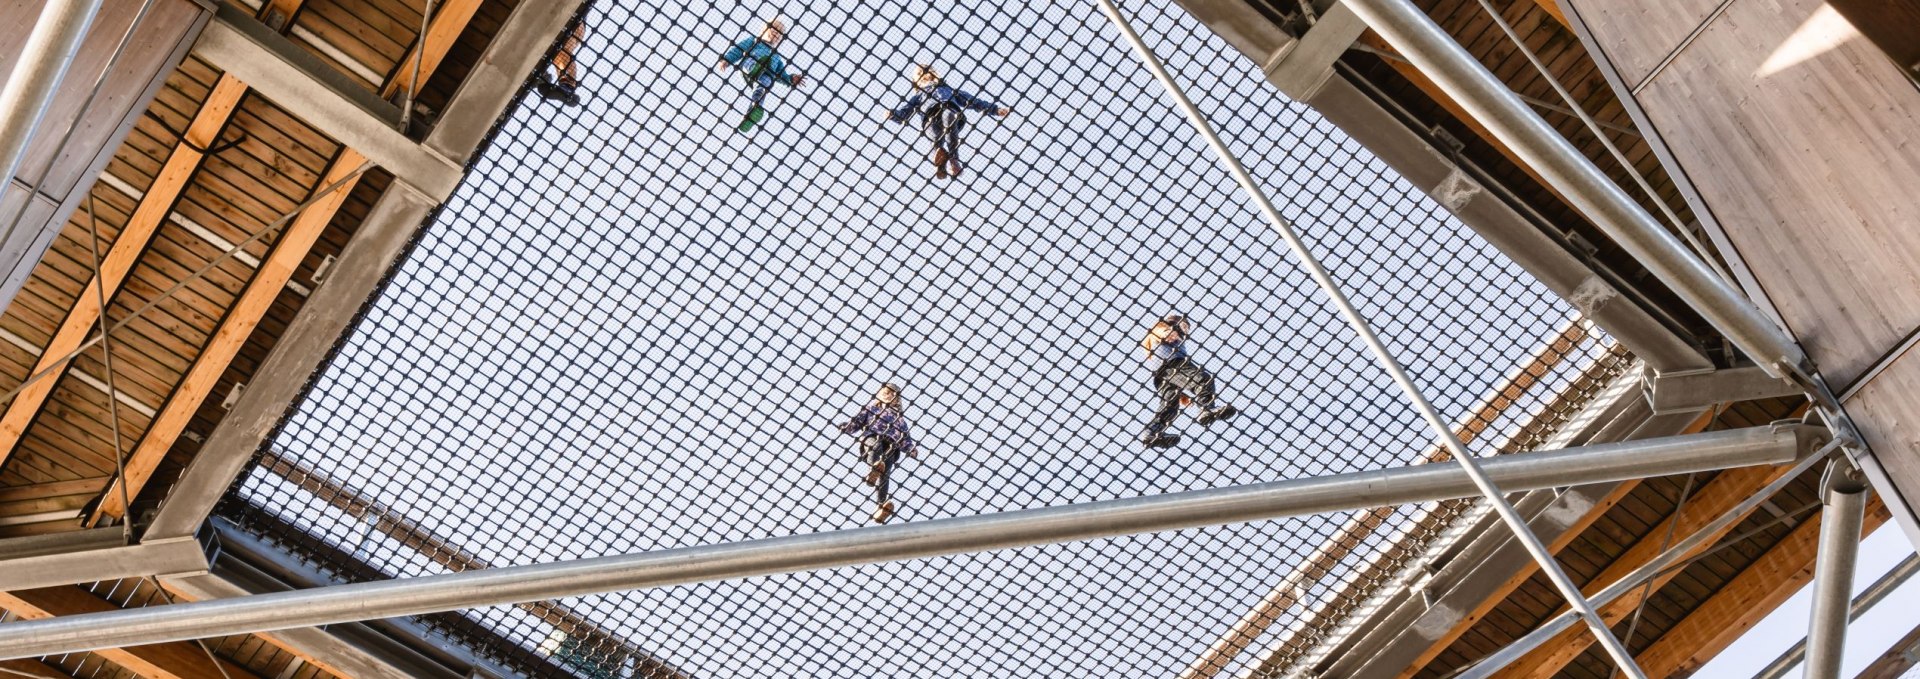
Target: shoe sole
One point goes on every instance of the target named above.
(1225, 415)
(1165, 442)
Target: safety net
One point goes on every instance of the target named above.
(638, 327)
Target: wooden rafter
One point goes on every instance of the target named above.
(120, 259)
(1717, 498)
(1527, 570)
(183, 161)
(1755, 592)
(268, 281)
(445, 28)
(175, 660)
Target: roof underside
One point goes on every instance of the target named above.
(632, 327)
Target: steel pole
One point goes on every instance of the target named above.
(1845, 495)
(878, 544)
(1489, 491)
(1568, 171)
(42, 65)
(1498, 660)
(1861, 604)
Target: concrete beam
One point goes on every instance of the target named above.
(1300, 68)
(1693, 392)
(520, 47)
(67, 567)
(1500, 224)
(324, 98)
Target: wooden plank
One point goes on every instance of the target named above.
(1715, 499)
(176, 660)
(120, 259)
(1885, 410)
(247, 312)
(1712, 626)
(241, 319)
(1577, 530)
(447, 24)
(1806, 157)
(54, 489)
(1637, 36)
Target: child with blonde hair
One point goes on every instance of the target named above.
(1178, 381)
(762, 66)
(884, 437)
(942, 117)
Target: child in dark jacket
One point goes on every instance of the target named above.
(884, 437)
(1175, 376)
(941, 116)
(761, 66)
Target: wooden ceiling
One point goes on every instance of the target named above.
(208, 228)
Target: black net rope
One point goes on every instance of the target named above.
(635, 327)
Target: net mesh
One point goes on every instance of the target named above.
(635, 327)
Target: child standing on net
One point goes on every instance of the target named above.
(1177, 380)
(941, 116)
(884, 437)
(761, 66)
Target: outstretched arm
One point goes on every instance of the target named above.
(858, 422)
(978, 103)
(899, 113)
(735, 54)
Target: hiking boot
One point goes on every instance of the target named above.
(1161, 440)
(884, 512)
(754, 116)
(873, 474)
(953, 166)
(939, 163)
(1220, 414)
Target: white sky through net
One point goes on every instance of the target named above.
(633, 328)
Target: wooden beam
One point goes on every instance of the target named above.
(1896, 660)
(181, 165)
(446, 27)
(268, 281)
(175, 660)
(1526, 571)
(120, 259)
(1362, 525)
(1552, 8)
(1720, 496)
(1743, 601)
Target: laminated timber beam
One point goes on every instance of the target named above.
(1757, 591)
(172, 660)
(369, 255)
(182, 163)
(270, 278)
(1723, 494)
(326, 99)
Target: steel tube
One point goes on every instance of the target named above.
(1568, 171)
(1861, 604)
(37, 74)
(1443, 431)
(1498, 660)
(878, 544)
(1845, 496)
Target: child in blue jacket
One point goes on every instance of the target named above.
(761, 66)
(941, 116)
(884, 437)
